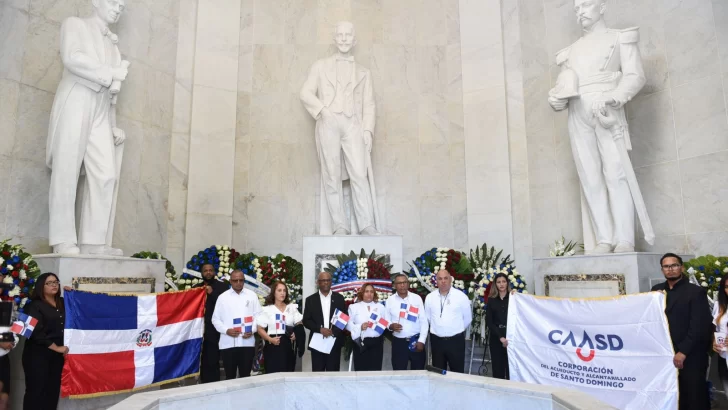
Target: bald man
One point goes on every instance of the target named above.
(317, 312)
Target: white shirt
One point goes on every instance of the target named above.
(231, 305)
(326, 308)
(267, 318)
(448, 314)
(409, 328)
(359, 313)
(721, 326)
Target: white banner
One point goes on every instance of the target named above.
(616, 349)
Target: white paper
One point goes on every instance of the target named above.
(321, 343)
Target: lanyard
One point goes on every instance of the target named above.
(442, 302)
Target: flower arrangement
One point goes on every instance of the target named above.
(169, 275)
(290, 272)
(708, 271)
(220, 256)
(356, 270)
(487, 263)
(423, 270)
(18, 268)
(266, 270)
(561, 248)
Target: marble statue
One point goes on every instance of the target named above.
(338, 94)
(82, 134)
(600, 73)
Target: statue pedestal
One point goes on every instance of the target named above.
(94, 273)
(598, 275)
(320, 250)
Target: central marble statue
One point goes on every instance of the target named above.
(339, 96)
(600, 73)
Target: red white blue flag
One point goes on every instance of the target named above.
(120, 343)
(280, 322)
(413, 313)
(248, 321)
(378, 323)
(340, 319)
(24, 326)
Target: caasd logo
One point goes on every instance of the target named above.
(600, 342)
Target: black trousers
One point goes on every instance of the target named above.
(693, 389)
(210, 362)
(5, 373)
(43, 368)
(499, 358)
(402, 357)
(237, 360)
(321, 362)
(449, 351)
(371, 358)
(279, 358)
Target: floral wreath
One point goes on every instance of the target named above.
(354, 271)
(262, 271)
(487, 263)
(17, 268)
(220, 256)
(169, 275)
(290, 272)
(423, 270)
(708, 271)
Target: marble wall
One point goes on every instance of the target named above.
(678, 122)
(30, 69)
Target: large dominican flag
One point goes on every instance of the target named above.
(119, 343)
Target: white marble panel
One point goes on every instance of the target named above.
(42, 67)
(300, 26)
(13, 27)
(433, 69)
(432, 23)
(245, 67)
(663, 244)
(27, 203)
(216, 50)
(437, 213)
(5, 184)
(329, 12)
(176, 211)
(397, 116)
(10, 92)
(131, 164)
(714, 243)
(271, 64)
(407, 394)
(161, 99)
(493, 228)
(400, 161)
(460, 222)
(663, 197)
(269, 22)
(435, 171)
(134, 99)
(399, 26)
(700, 117)
(394, 67)
(207, 230)
(56, 10)
(135, 31)
(155, 157)
(125, 225)
(182, 111)
(720, 16)
(279, 222)
(652, 129)
(583, 289)
(34, 108)
(704, 193)
(163, 43)
(187, 26)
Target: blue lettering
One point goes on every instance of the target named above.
(570, 337)
(615, 342)
(601, 342)
(586, 340)
(551, 336)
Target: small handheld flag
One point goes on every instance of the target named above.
(340, 319)
(379, 324)
(238, 324)
(280, 322)
(403, 310)
(248, 320)
(24, 326)
(413, 313)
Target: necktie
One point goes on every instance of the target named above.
(342, 58)
(113, 37)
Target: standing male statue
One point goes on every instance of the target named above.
(600, 73)
(338, 94)
(83, 133)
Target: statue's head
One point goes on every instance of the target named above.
(344, 36)
(588, 12)
(109, 10)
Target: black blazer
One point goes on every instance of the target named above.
(690, 320)
(313, 318)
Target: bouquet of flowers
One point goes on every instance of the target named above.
(220, 256)
(18, 268)
(356, 270)
(169, 275)
(487, 263)
(290, 272)
(561, 248)
(423, 270)
(708, 271)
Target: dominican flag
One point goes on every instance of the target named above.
(280, 322)
(121, 343)
(379, 324)
(340, 319)
(413, 313)
(24, 325)
(248, 324)
(238, 324)
(403, 310)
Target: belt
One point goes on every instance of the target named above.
(501, 326)
(449, 337)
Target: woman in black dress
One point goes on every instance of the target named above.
(44, 352)
(496, 316)
(278, 323)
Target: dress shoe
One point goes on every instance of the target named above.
(66, 248)
(369, 231)
(101, 250)
(624, 247)
(602, 248)
(341, 232)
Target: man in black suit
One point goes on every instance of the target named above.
(210, 363)
(317, 313)
(690, 321)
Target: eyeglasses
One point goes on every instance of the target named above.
(236, 280)
(671, 267)
(51, 283)
(324, 280)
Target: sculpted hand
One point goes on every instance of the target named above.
(326, 115)
(119, 135)
(119, 73)
(558, 104)
(678, 360)
(368, 140)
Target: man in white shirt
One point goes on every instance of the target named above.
(234, 318)
(449, 314)
(406, 313)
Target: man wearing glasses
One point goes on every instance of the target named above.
(234, 318)
(317, 313)
(409, 326)
(689, 318)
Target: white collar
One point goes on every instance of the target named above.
(325, 297)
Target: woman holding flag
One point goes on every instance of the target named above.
(278, 323)
(367, 324)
